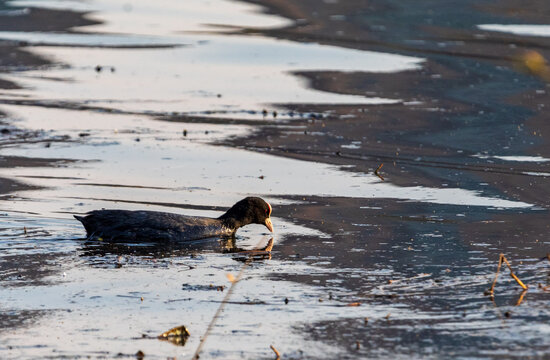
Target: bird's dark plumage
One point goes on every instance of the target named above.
(126, 225)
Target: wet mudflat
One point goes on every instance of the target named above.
(189, 107)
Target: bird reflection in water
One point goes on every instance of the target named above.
(102, 252)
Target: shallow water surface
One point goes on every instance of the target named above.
(201, 73)
(189, 106)
(518, 29)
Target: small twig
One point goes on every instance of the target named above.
(276, 352)
(234, 281)
(502, 259)
(257, 302)
(376, 172)
(512, 273)
(218, 312)
(174, 300)
(492, 289)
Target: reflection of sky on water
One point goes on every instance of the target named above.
(179, 163)
(520, 158)
(208, 73)
(247, 73)
(526, 30)
(163, 17)
(101, 309)
(86, 299)
(89, 40)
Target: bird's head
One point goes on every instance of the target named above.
(250, 210)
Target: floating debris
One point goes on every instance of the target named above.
(177, 336)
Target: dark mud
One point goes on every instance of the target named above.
(414, 272)
(428, 267)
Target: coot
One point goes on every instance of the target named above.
(126, 225)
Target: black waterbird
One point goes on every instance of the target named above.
(126, 225)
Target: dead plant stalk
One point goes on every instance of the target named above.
(502, 259)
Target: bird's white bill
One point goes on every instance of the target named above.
(268, 224)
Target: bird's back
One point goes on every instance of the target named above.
(126, 225)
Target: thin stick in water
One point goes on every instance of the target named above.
(502, 259)
(276, 352)
(512, 273)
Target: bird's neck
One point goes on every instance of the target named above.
(231, 222)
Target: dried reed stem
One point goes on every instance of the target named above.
(276, 352)
(502, 259)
